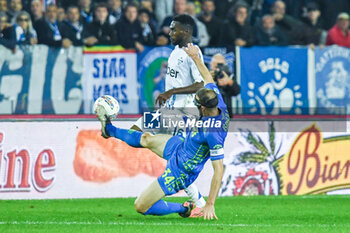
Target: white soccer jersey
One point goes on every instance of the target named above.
(181, 72)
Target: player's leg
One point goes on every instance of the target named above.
(155, 143)
(150, 203)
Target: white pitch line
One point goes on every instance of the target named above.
(165, 224)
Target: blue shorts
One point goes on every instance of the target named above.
(172, 180)
(171, 146)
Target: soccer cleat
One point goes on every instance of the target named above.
(189, 205)
(102, 117)
(196, 213)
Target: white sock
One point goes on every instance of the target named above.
(193, 192)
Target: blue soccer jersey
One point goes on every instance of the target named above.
(187, 156)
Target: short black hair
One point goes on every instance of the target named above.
(52, 5)
(100, 5)
(144, 10)
(130, 4)
(185, 20)
(207, 1)
(73, 7)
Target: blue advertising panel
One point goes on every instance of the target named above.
(274, 80)
(332, 72)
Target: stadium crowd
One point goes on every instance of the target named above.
(134, 24)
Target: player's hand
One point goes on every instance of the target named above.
(192, 51)
(163, 97)
(209, 212)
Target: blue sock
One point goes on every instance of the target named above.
(130, 136)
(163, 208)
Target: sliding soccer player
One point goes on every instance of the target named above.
(185, 156)
(182, 81)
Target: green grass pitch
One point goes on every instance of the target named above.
(319, 213)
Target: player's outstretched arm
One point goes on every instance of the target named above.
(193, 88)
(193, 51)
(208, 209)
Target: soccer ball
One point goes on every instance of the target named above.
(110, 104)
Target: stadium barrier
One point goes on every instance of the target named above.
(69, 159)
(274, 80)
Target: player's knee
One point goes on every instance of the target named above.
(146, 139)
(139, 207)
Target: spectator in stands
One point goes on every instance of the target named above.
(202, 38)
(269, 34)
(179, 8)
(237, 30)
(313, 33)
(74, 30)
(48, 30)
(256, 11)
(294, 8)
(129, 29)
(330, 9)
(65, 3)
(15, 7)
(25, 33)
(61, 14)
(115, 10)
(100, 28)
(163, 9)
(224, 79)
(3, 6)
(147, 4)
(288, 25)
(213, 23)
(339, 34)
(223, 6)
(7, 33)
(86, 11)
(149, 32)
(36, 10)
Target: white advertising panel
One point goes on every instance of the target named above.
(42, 160)
(111, 73)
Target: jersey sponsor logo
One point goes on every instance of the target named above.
(172, 72)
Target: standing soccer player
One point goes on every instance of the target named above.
(182, 81)
(186, 156)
